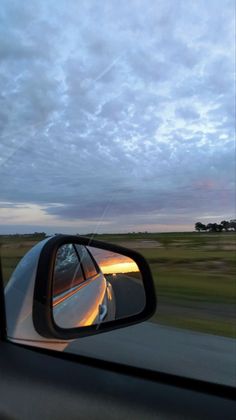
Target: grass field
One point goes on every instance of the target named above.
(194, 275)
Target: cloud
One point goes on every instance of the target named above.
(117, 113)
(187, 113)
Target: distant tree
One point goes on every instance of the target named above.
(212, 227)
(200, 226)
(209, 226)
(38, 235)
(215, 227)
(232, 224)
(219, 228)
(225, 225)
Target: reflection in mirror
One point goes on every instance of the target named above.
(92, 285)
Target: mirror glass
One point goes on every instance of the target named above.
(92, 285)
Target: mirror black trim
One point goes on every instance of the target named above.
(42, 305)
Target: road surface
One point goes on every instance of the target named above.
(171, 350)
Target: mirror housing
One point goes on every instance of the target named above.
(42, 311)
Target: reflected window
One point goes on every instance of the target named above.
(67, 271)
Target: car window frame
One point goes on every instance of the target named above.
(95, 265)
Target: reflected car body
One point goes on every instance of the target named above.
(19, 295)
(82, 295)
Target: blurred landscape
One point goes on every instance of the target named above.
(194, 274)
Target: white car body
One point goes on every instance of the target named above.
(85, 305)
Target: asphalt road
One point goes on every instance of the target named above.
(129, 295)
(181, 352)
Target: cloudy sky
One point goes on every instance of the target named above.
(116, 116)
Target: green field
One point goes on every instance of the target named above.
(194, 275)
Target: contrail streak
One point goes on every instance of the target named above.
(108, 68)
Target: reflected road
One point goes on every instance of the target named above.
(129, 295)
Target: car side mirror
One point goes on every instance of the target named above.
(68, 287)
(85, 287)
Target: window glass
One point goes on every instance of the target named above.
(67, 270)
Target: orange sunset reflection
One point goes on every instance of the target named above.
(121, 265)
(113, 263)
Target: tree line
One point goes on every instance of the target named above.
(227, 226)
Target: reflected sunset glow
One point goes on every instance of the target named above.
(113, 263)
(113, 267)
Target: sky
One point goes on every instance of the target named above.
(116, 116)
